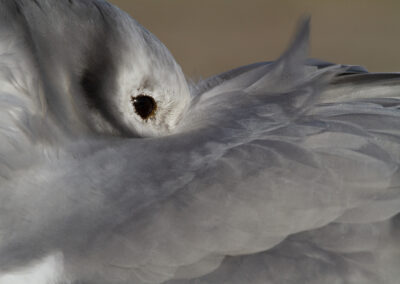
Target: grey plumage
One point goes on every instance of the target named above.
(278, 172)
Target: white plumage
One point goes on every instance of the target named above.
(115, 170)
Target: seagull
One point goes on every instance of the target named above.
(116, 168)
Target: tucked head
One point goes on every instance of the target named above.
(102, 70)
(151, 93)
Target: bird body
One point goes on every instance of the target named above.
(115, 169)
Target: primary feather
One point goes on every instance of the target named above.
(276, 172)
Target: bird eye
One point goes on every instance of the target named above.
(145, 106)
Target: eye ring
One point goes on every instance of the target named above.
(145, 106)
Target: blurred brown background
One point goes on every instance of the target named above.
(211, 36)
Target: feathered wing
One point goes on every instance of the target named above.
(351, 126)
(261, 157)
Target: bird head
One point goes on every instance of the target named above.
(102, 72)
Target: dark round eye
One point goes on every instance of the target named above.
(145, 106)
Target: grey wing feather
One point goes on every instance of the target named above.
(209, 83)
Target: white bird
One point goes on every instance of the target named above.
(115, 169)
